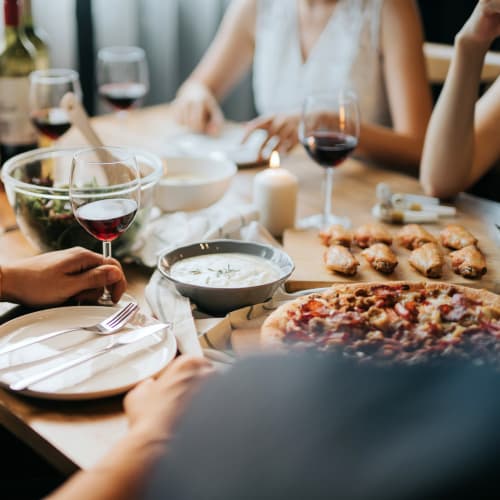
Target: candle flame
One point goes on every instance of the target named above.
(274, 161)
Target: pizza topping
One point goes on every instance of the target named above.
(393, 323)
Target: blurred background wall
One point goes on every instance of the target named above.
(175, 34)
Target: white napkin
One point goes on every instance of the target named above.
(223, 220)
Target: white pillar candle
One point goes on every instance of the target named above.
(275, 196)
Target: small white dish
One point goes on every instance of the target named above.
(193, 183)
(110, 374)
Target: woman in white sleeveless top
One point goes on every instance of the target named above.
(299, 47)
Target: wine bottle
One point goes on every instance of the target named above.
(17, 61)
(37, 37)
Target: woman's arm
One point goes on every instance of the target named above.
(407, 89)
(460, 147)
(225, 62)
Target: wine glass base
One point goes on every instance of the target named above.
(319, 221)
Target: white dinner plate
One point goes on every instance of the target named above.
(112, 373)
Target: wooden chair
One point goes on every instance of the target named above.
(438, 58)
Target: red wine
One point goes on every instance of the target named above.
(122, 95)
(107, 219)
(329, 149)
(52, 122)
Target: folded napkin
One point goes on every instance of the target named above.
(222, 220)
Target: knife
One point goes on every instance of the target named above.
(115, 342)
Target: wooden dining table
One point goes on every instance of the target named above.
(73, 435)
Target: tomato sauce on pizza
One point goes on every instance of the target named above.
(398, 322)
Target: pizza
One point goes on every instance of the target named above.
(398, 322)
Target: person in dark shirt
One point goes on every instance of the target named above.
(305, 427)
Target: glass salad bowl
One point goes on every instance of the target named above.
(36, 184)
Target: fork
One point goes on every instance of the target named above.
(109, 325)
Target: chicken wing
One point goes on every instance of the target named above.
(336, 235)
(368, 234)
(456, 237)
(381, 258)
(468, 262)
(427, 260)
(339, 259)
(413, 236)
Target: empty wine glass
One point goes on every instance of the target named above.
(47, 87)
(122, 76)
(329, 132)
(105, 195)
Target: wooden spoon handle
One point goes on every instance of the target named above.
(79, 117)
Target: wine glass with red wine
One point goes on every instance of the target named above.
(105, 195)
(122, 74)
(47, 88)
(329, 132)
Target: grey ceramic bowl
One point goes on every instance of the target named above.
(219, 301)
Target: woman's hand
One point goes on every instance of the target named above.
(483, 26)
(55, 277)
(282, 131)
(154, 406)
(197, 108)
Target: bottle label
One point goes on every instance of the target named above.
(15, 123)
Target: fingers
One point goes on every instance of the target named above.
(88, 296)
(289, 138)
(262, 122)
(196, 116)
(118, 288)
(274, 134)
(183, 367)
(96, 278)
(215, 122)
(78, 259)
(281, 132)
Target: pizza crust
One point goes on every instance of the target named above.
(273, 329)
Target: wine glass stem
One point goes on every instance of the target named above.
(106, 253)
(327, 211)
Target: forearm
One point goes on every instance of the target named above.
(449, 146)
(122, 474)
(230, 54)
(389, 147)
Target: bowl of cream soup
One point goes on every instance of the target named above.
(223, 275)
(193, 183)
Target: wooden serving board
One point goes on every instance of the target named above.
(305, 249)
